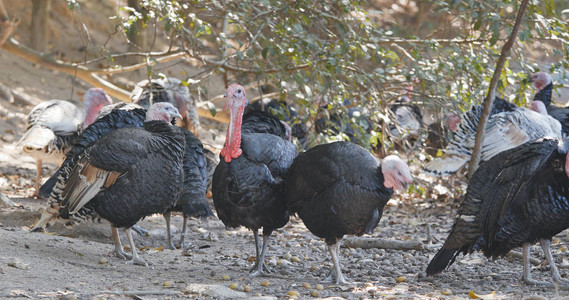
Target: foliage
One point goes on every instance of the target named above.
(364, 54)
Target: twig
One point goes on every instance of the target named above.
(369, 243)
(489, 101)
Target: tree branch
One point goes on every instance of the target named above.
(489, 101)
(91, 75)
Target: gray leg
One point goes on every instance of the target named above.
(260, 268)
(183, 234)
(527, 267)
(118, 251)
(38, 177)
(167, 217)
(136, 260)
(336, 273)
(546, 246)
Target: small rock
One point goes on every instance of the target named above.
(446, 292)
(247, 288)
(265, 283)
(400, 279)
(233, 286)
(319, 287)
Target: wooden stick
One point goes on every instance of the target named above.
(369, 243)
(532, 260)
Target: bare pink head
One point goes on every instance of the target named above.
(396, 173)
(93, 100)
(540, 80)
(236, 102)
(453, 122)
(539, 107)
(162, 111)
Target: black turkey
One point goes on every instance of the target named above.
(544, 85)
(440, 132)
(286, 113)
(171, 90)
(340, 188)
(128, 115)
(504, 130)
(408, 116)
(128, 174)
(247, 182)
(53, 126)
(515, 199)
(192, 202)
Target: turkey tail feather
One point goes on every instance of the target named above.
(445, 165)
(443, 259)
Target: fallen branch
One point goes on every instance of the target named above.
(369, 243)
(6, 202)
(532, 260)
(134, 293)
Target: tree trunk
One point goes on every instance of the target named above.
(7, 24)
(136, 35)
(40, 16)
(489, 101)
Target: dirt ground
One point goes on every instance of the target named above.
(70, 261)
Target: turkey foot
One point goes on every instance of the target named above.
(260, 268)
(336, 273)
(141, 231)
(118, 251)
(136, 260)
(530, 281)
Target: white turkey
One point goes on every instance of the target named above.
(170, 90)
(504, 130)
(544, 85)
(53, 127)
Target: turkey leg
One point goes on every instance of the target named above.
(546, 246)
(118, 251)
(527, 267)
(136, 260)
(183, 234)
(260, 268)
(167, 217)
(336, 273)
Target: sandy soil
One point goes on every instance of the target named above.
(71, 261)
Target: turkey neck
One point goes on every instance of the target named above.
(233, 138)
(91, 111)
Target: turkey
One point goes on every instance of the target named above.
(517, 198)
(543, 83)
(285, 112)
(191, 202)
(408, 116)
(128, 115)
(338, 189)
(440, 132)
(53, 126)
(504, 130)
(128, 174)
(247, 183)
(170, 90)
